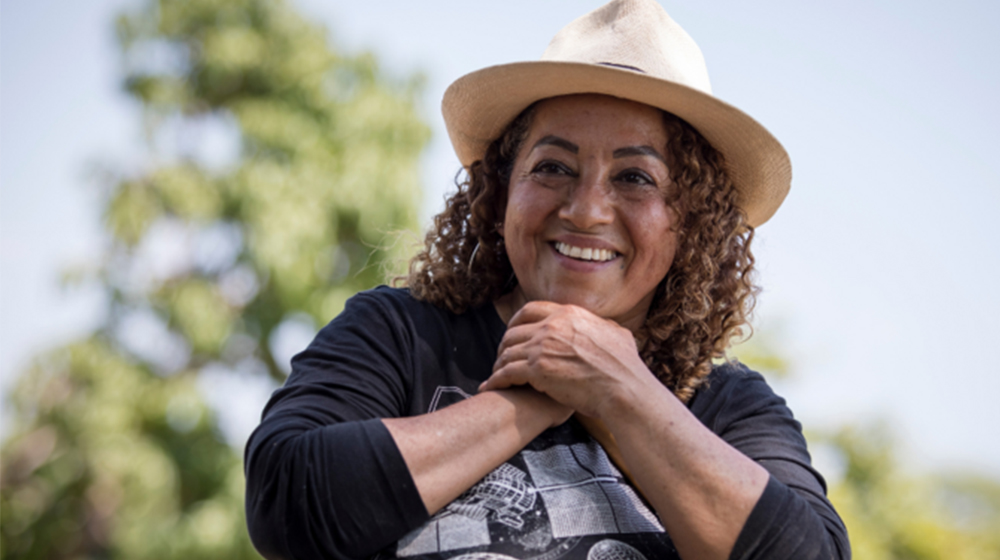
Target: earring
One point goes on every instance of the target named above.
(472, 257)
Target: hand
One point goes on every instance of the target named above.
(539, 403)
(575, 357)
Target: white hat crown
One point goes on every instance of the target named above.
(630, 49)
(635, 35)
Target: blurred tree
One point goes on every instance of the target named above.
(890, 512)
(893, 515)
(277, 167)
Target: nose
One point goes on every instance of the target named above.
(588, 204)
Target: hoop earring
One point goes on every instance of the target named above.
(511, 282)
(472, 257)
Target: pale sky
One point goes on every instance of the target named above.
(879, 271)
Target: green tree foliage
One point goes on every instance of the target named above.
(114, 453)
(891, 512)
(894, 515)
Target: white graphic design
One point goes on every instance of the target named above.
(445, 531)
(609, 549)
(503, 493)
(449, 394)
(583, 493)
(483, 556)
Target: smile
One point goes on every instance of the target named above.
(585, 253)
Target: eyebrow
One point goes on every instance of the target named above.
(628, 151)
(551, 140)
(638, 151)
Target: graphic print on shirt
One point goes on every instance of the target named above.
(445, 396)
(610, 549)
(542, 504)
(502, 493)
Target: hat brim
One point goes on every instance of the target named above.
(478, 107)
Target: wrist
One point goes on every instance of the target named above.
(632, 400)
(533, 407)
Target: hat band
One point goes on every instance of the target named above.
(622, 66)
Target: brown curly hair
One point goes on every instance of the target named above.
(703, 302)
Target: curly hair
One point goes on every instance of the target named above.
(704, 301)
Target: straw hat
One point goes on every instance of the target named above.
(629, 49)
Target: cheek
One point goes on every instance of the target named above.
(658, 238)
(516, 228)
(527, 207)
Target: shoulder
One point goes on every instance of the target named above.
(373, 317)
(731, 379)
(396, 305)
(395, 309)
(733, 392)
(383, 298)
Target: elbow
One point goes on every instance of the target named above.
(291, 508)
(265, 535)
(840, 546)
(264, 506)
(787, 525)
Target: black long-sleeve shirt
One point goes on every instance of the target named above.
(326, 480)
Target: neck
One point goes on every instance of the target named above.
(509, 304)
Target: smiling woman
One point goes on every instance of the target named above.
(591, 177)
(711, 289)
(544, 388)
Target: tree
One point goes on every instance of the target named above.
(114, 452)
(892, 514)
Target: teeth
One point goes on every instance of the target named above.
(585, 254)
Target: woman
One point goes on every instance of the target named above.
(594, 262)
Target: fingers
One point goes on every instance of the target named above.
(522, 326)
(505, 355)
(514, 336)
(533, 312)
(512, 374)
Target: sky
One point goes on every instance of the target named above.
(878, 271)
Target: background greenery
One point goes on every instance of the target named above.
(115, 452)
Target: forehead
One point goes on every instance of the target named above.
(592, 117)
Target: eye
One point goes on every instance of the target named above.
(636, 177)
(552, 167)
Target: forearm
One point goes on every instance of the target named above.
(350, 489)
(702, 488)
(451, 449)
(335, 491)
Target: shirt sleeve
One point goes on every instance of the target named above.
(324, 476)
(793, 519)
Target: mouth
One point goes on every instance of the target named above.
(585, 253)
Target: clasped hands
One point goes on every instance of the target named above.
(582, 362)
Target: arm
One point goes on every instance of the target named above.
(448, 451)
(348, 490)
(335, 471)
(324, 476)
(793, 518)
(706, 488)
(702, 488)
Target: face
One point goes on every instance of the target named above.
(587, 221)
